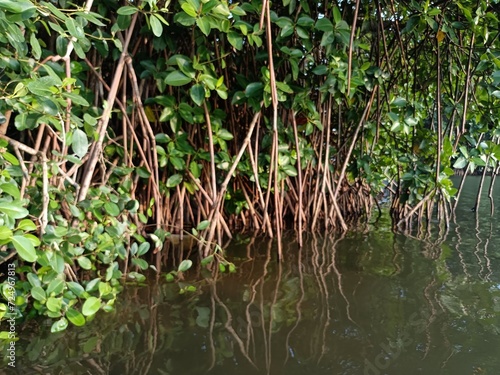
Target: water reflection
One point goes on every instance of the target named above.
(370, 302)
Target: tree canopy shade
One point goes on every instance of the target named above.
(134, 120)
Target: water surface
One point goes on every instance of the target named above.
(369, 302)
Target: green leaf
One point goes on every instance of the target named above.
(142, 172)
(80, 143)
(235, 39)
(59, 326)
(91, 306)
(207, 260)
(38, 293)
(195, 169)
(324, 24)
(33, 279)
(290, 170)
(76, 288)
(112, 209)
(105, 289)
(84, 262)
(35, 46)
(185, 265)
(75, 317)
(174, 180)
(177, 78)
(204, 25)
(224, 134)
(156, 25)
(254, 89)
(399, 102)
(8, 156)
(57, 263)
(203, 225)
(141, 263)
(5, 233)
(16, 6)
(74, 29)
(189, 9)
(337, 16)
(305, 21)
(56, 287)
(76, 99)
(185, 65)
(24, 248)
(460, 163)
(54, 304)
(143, 248)
(11, 189)
(197, 93)
(26, 225)
(41, 86)
(14, 209)
(127, 10)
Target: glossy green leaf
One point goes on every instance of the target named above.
(74, 28)
(38, 293)
(76, 288)
(16, 6)
(174, 180)
(189, 9)
(80, 143)
(143, 248)
(203, 24)
(290, 170)
(127, 10)
(203, 225)
(5, 233)
(141, 263)
(177, 78)
(56, 286)
(91, 306)
(59, 326)
(75, 317)
(26, 225)
(197, 93)
(195, 169)
(156, 25)
(305, 21)
(7, 155)
(324, 24)
(84, 262)
(224, 134)
(13, 209)
(254, 89)
(24, 248)
(235, 39)
(112, 209)
(33, 279)
(54, 304)
(185, 265)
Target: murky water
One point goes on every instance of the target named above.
(370, 302)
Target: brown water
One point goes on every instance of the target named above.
(370, 302)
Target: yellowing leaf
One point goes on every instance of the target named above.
(440, 36)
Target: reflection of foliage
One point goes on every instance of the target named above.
(320, 311)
